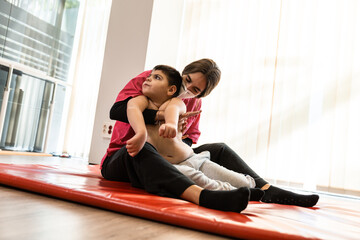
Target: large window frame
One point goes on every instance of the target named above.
(13, 66)
(39, 44)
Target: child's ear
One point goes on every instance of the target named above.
(172, 90)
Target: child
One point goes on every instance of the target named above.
(160, 91)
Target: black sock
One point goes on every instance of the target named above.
(256, 194)
(232, 201)
(281, 196)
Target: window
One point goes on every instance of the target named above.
(288, 101)
(36, 42)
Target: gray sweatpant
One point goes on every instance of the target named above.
(210, 175)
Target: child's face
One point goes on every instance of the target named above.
(156, 84)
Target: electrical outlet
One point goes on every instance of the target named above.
(107, 129)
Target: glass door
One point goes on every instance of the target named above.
(36, 44)
(27, 113)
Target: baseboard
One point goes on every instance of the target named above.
(4, 152)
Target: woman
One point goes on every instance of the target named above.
(156, 175)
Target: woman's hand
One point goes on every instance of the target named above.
(186, 115)
(183, 120)
(160, 115)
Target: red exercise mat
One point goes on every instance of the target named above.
(332, 218)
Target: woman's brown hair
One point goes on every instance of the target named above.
(210, 70)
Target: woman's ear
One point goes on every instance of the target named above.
(172, 90)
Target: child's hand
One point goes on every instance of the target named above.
(135, 144)
(168, 130)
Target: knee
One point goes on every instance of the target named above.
(213, 148)
(147, 151)
(221, 146)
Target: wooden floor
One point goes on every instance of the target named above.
(25, 215)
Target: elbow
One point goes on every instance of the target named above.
(118, 112)
(112, 113)
(111, 116)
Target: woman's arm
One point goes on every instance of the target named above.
(118, 112)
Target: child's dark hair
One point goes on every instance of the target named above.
(172, 75)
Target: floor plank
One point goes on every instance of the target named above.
(25, 215)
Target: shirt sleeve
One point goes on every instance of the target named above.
(119, 112)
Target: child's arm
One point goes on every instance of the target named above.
(172, 112)
(135, 108)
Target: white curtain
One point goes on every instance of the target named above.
(289, 98)
(86, 80)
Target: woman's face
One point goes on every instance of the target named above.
(195, 82)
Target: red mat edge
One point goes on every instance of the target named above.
(98, 202)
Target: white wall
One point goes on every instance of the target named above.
(124, 58)
(165, 31)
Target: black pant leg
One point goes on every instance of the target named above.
(223, 155)
(147, 170)
(113, 167)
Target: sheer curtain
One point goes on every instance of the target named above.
(289, 98)
(87, 73)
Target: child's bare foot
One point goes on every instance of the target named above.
(135, 144)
